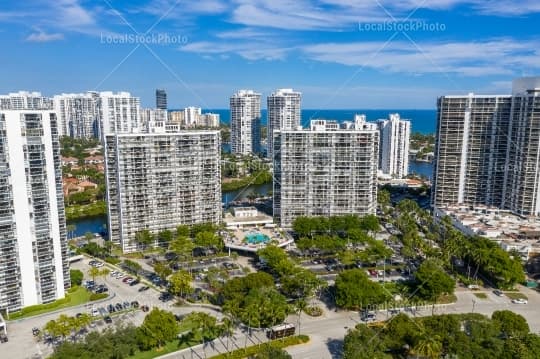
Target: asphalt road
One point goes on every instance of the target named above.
(326, 332)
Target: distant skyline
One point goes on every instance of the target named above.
(370, 54)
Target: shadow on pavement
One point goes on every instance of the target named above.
(335, 347)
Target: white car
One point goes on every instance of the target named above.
(95, 312)
(519, 301)
(119, 275)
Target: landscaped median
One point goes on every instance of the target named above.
(255, 349)
(75, 296)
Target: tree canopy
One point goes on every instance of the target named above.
(355, 290)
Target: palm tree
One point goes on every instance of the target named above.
(94, 272)
(227, 325)
(300, 305)
(429, 346)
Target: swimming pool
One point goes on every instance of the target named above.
(256, 238)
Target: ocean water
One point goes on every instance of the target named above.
(423, 121)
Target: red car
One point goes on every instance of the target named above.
(126, 279)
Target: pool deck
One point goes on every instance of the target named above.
(236, 241)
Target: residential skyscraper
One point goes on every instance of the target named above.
(33, 246)
(522, 182)
(394, 146)
(283, 114)
(470, 151)
(78, 114)
(24, 100)
(161, 99)
(325, 170)
(487, 150)
(159, 180)
(245, 108)
(120, 113)
(191, 116)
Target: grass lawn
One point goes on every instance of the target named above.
(447, 299)
(515, 295)
(480, 295)
(76, 296)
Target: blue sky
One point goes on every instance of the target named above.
(388, 54)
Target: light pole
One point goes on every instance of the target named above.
(473, 304)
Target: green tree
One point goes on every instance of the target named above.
(183, 231)
(76, 277)
(429, 346)
(364, 343)
(355, 290)
(180, 283)
(165, 236)
(432, 281)
(162, 270)
(144, 238)
(264, 307)
(131, 266)
(511, 324)
(370, 223)
(94, 272)
(159, 327)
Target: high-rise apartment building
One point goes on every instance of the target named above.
(162, 179)
(161, 99)
(191, 116)
(209, 120)
(33, 246)
(394, 146)
(78, 114)
(522, 182)
(120, 113)
(325, 170)
(283, 114)
(486, 150)
(24, 100)
(245, 108)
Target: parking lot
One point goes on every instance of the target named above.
(23, 344)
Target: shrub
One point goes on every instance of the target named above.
(313, 311)
(255, 349)
(98, 296)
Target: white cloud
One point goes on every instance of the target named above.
(41, 36)
(249, 51)
(492, 57)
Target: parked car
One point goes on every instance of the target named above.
(135, 304)
(3, 338)
(35, 331)
(519, 301)
(134, 282)
(118, 307)
(145, 288)
(145, 308)
(498, 293)
(95, 312)
(111, 308)
(108, 320)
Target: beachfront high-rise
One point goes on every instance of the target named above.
(161, 99)
(283, 114)
(245, 108)
(120, 113)
(486, 150)
(33, 246)
(162, 179)
(329, 169)
(394, 146)
(78, 114)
